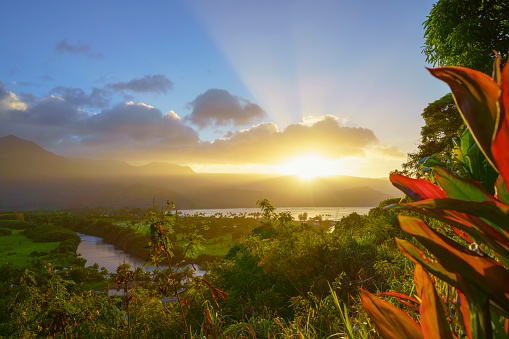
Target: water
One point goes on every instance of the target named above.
(95, 250)
(330, 213)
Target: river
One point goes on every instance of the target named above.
(95, 250)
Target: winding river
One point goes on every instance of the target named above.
(95, 250)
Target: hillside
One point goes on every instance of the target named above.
(33, 178)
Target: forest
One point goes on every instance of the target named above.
(431, 264)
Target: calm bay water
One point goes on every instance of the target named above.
(95, 250)
(330, 213)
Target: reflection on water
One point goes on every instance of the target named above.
(95, 250)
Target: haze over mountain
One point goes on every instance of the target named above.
(31, 177)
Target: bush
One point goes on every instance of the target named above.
(16, 224)
(5, 232)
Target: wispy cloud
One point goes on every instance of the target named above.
(81, 47)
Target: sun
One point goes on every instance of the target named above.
(309, 166)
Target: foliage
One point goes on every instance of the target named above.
(441, 123)
(464, 33)
(478, 273)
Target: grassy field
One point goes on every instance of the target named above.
(215, 246)
(16, 248)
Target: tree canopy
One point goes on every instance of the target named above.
(442, 122)
(465, 32)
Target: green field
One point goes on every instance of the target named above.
(16, 248)
(213, 246)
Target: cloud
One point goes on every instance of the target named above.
(385, 151)
(265, 144)
(76, 96)
(218, 107)
(9, 101)
(64, 47)
(139, 132)
(149, 83)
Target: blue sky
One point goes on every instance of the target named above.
(219, 85)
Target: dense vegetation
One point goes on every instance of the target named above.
(285, 278)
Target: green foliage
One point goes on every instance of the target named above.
(441, 123)
(16, 224)
(464, 33)
(4, 232)
(478, 273)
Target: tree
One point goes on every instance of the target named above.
(464, 33)
(442, 122)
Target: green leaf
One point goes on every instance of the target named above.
(433, 321)
(459, 188)
(389, 320)
(477, 308)
(476, 96)
(501, 191)
(485, 273)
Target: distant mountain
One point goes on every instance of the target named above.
(23, 159)
(33, 178)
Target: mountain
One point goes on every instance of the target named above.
(23, 159)
(34, 178)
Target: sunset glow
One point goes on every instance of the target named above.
(302, 94)
(309, 166)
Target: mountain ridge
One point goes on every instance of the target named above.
(32, 177)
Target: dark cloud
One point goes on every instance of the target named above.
(98, 98)
(149, 83)
(139, 122)
(3, 91)
(218, 107)
(49, 111)
(64, 47)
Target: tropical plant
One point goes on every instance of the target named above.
(475, 264)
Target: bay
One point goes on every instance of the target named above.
(327, 213)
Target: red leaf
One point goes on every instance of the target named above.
(476, 96)
(485, 273)
(500, 144)
(389, 320)
(418, 282)
(433, 321)
(399, 295)
(417, 189)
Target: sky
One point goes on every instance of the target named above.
(334, 86)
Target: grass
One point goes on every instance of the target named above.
(16, 248)
(213, 246)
